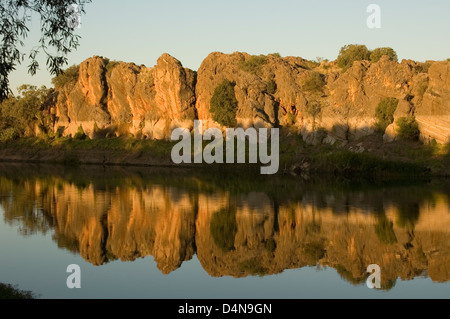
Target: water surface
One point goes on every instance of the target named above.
(172, 233)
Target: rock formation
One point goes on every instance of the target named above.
(122, 98)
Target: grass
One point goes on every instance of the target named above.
(393, 159)
(347, 162)
(117, 144)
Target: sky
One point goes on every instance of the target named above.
(140, 31)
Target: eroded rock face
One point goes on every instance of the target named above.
(124, 98)
(433, 114)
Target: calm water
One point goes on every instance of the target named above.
(167, 233)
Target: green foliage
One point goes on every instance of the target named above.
(253, 267)
(57, 38)
(110, 66)
(348, 276)
(270, 245)
(384, 229)
(11, 292)
(313, 252)
(321, 133)
(9, 134)
(408, 215)
(320, 59)
(378, 53)
(314, 83)
(80, 135)
(385, 112)
(408, 128)
(223, 229)
(68, 76)
(314, 108)
(271, 86)
(223, 104)
(275, 55)
(423, 67)
(23, 112)
(253, 64)
(347, 162)
(351, 53)
(423, 87)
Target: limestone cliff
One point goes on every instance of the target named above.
(123, 98)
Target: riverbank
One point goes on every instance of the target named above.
(367, 157)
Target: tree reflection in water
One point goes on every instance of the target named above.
(238, 224)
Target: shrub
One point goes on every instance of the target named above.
(384, 229)
(223, 105)
(110, 66)
(253, 64)
(408, 128)
(321, 134)
(69, 75)
(223, 229)
(314, 83)
(270, 245)
(351, 53)
(385, 112)
(277, 55)
(422, 88)
(378, 53)
(23, 112)
(8, 291)
(253, 267)
(9, 134)
(80, 135)
(271, 86)
(314, 108)
(423, 67)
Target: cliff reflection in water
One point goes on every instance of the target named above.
(238, 226)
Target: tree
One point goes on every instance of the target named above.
(378, 53)
(351, 53)
(385, 112)
(57, 39)
(271, 86)
(253, 64)
(314, 83)
(23, 112)
(223, 105)
(314, 108)
(70, 75)
(223, 228)
(408, 128)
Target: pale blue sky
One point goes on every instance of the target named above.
(140, 31)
